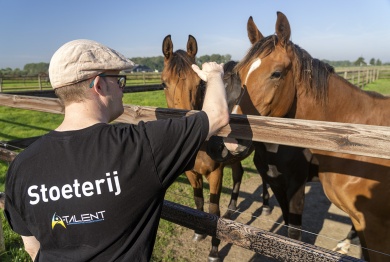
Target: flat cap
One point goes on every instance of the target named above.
(82, 59)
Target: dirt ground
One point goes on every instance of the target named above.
(324, 225)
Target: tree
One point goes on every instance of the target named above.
(203, 59)
(34, 69)
(360, 62)
(378, 62)
(214, 57)
(372, 61)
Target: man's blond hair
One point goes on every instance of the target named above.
(73, 93)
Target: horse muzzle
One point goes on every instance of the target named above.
(228, 149)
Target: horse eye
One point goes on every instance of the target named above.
(276, 74)
(163, 85)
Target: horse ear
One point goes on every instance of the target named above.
(167, 47)
(192, 46)
(254, 34)
(282, 28)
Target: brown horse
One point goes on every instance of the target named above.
(282, 80)
(185, 90)
(285, 169)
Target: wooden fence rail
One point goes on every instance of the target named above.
(366, 140)
(255, 239)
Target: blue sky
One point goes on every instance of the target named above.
(31, 31)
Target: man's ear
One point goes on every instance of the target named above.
(99, 86)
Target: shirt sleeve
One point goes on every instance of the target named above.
(175, 143)
(14, 219)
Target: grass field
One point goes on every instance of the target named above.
(18, 123)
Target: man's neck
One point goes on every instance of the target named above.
(81, 115)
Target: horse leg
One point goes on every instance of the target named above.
(296, 204)
(260, 161)
(352, 238)
(196, 182)
(237, 172)
(215, 182)
(266, 211)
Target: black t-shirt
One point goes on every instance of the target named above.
(96, 194)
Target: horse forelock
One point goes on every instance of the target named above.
(179, 70)
(260, 49)
(180, 64)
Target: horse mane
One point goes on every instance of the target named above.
(311, 72)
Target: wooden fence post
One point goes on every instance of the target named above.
(345, 74)
(39, 82)
(358, 81)
(1, 84)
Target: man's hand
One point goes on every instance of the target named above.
(208, 69)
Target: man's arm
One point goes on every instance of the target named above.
(214, 103)
(31, 245)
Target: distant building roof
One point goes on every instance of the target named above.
(139, 68)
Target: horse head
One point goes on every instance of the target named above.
(183, 87)
(266, 69)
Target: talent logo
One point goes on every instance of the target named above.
(68, 220)
(57, 220)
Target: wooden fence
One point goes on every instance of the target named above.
(361, 76)
(364, 140)
(41, 82)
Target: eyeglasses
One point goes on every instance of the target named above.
(121, 80)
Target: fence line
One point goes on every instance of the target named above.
(361, 76)
(42, 82)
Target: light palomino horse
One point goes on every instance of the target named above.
(185, 90)
(282, 80)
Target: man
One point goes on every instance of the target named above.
(91, 191)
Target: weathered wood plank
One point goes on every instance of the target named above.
(273, 245)
(258, 240)
(49, 105)
(7, 155)
(366, 140)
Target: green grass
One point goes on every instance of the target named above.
(19, 123)
(152, 98)
(381, 86)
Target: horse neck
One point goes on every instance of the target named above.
(345, 103)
